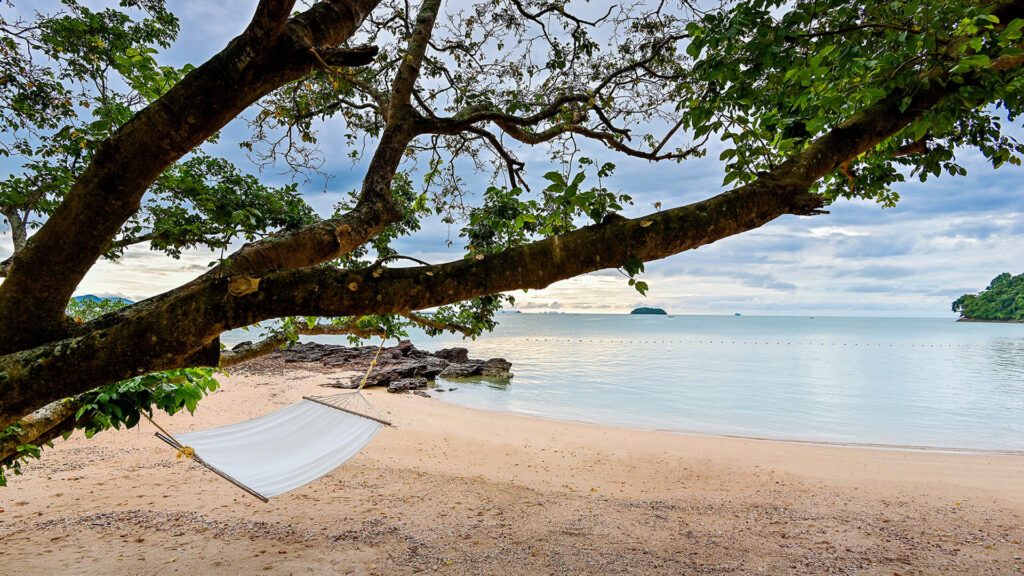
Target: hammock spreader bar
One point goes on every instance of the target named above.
(318, 400)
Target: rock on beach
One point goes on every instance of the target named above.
(401, 368)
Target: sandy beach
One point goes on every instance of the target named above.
(452, 490)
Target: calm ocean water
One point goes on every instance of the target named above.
(894, 381)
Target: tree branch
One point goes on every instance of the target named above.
(109, 190)
(513, 165)
(428, 322)
(39, 427)
(347, 57)
(181, 328)
(270, 17)
(409, 69)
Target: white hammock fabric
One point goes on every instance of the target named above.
(287, 448)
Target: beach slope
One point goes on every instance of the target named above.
(457, 491)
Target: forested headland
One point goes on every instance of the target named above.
(1002, 301)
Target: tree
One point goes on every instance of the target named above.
(817, 100)
(1002, 300)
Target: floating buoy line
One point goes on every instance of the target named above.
(750, 342)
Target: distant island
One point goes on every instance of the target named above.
(1002, 301)
(645, 310)
(95, 298)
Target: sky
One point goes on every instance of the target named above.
(946, 237)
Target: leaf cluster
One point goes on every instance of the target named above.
(68, 80)
(510, 217)
(769, 77)
(207, 201)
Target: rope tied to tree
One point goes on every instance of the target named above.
(373, 363)
(183, 451)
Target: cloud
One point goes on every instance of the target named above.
(540, 305)
(875, 247)
(880, 271)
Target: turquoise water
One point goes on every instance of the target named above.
(893, 381)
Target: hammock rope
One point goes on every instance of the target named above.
(372, 364)
(239, 445)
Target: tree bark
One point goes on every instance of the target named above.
(39, 427)
(109, 190)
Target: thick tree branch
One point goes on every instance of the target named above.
(180, 328)
(270, 17)
(39, 427)
(19, 233)
(348, 57)
(109, 190)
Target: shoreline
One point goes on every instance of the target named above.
(767, 439)
(459, 490)
(994, 321)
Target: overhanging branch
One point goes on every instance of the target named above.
(180, 328)
(109, 190)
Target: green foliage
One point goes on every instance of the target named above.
(68, 80)
(1002, 300)
(24, 452)
(120, 404)
(770, 76)
(632, 268)
(207, 201)
(506, 219)
(86, 309)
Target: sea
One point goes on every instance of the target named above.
(919, 383)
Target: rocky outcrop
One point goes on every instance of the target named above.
(457, 355)
(400, 368)
(406, 384)
(493, 368)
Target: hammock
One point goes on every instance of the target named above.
(287, 448)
